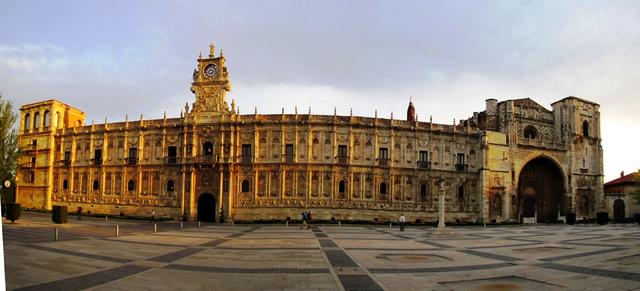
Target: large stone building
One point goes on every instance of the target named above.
(514, 159)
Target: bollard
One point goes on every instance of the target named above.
(338, 223)
(389, 224)
(106, 218)
(287, 223)
(117, 230)
(484, 225)
(155, 227)
(198, 223)
(55, 234)
(233, 223)
(181, 225)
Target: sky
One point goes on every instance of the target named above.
(111, 58)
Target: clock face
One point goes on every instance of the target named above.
(210, 70)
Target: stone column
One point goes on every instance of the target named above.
(441, 218)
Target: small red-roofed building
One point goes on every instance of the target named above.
(618, 197)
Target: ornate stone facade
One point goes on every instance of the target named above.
(263, 167)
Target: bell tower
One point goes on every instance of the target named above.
(211, 84)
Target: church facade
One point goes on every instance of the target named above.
(513, 159)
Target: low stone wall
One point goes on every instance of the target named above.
(126, 210)
(326, 214)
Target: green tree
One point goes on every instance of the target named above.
(8, 141)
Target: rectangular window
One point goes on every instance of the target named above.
(246, 153)
(384, 154)
(133, 156)
(67, 158)
(172, 153)
(97, 157)
(342, 151)
(461, 165)
(424, 156)
(289, 153)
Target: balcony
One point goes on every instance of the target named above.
(384, 162)
(171, 161)
(96, 162)
(246, 159)
(131, 161)
(28, 148)
(425, 165)
(63, 163)
(462, 167)
(289, 159)
(202, 160)
(342, 160)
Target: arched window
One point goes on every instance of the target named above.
(170, 186)
(246, 186)
(65, 184)
(27, 121)
(530, 132)
(46, 118)
(131, 185)
(341, 186)
(585, 128)
(96, 185)
(423, 192)
(36, 120)
(383, 188)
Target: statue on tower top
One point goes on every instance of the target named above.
(212, 50)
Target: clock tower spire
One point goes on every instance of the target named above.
(210, 85)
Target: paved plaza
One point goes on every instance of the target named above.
(255, 257)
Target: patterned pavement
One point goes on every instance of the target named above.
(327, 257)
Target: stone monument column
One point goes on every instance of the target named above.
(441, 190)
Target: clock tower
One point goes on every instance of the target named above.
(210, 85)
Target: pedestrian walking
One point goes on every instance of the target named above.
(304, 220)
(401, 220)
(153, 216)
(221, 215)
(309, 220)
(79, 212)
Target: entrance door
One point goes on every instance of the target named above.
(542, 178)
(206, 208)
(618, 210)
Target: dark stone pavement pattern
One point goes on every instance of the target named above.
(327, 257)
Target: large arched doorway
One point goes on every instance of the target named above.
(541, 190)
(618, 210)
(206, 208)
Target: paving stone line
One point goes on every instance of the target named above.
(215, 242)
(143, 243)
(490, 256)
(248, 270)
(174, 256)
(592, 271)
(339, 259)
(88, 280)
(585, 254)
(327, 243)
(359, 282)
(439, 269)
(79, 254)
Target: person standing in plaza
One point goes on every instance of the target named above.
(309, 220)
(401, 220)
(304, 220)
(153, 216)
